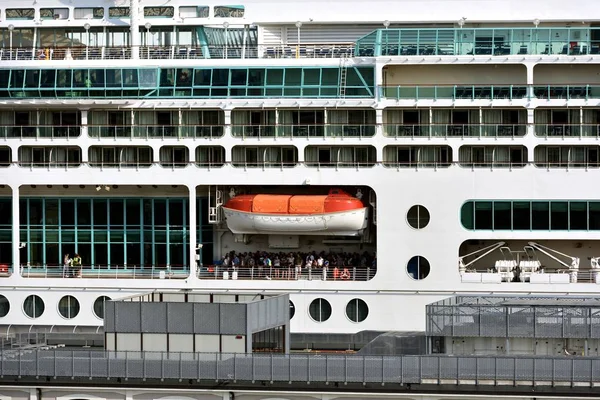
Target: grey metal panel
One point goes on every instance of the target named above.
(233, 319)
(207, 318)
(268, 313)
(109, 316)
(66, 364)
(154, 317)
(128, 317)
(180, 317)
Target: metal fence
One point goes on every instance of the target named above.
(306, 368)
(511, 317)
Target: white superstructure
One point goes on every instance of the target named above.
(485, 115)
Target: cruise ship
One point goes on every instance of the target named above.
(368, 158)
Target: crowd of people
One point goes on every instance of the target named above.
(293, 265)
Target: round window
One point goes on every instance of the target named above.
(418, 268)
(357, 310)
(33, 306)
(4, 306)
(68, 307)
(320, 310)
(418, 217)
(99, 306)
(292, 310)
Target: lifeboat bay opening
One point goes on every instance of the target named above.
(291, 233)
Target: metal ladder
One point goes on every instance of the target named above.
(342, 80)
(215, 201)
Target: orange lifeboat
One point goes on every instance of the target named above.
(337, 213)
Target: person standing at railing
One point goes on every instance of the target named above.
(76, 263)
(67, 266)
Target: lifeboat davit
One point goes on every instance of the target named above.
(337, 213)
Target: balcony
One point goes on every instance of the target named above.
(567, 131)
(454, 130)
(155, 131)
(479, 41)
(304, 131)
(39, 132)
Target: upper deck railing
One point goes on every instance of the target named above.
(479, 41)
(179, 52)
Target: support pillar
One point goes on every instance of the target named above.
(192, 232)
(16, 234)
(134, 34)
(530, 67)
(380, 81)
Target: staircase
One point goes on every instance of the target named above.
(215, 201)
(342, 80)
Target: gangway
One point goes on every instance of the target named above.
(533, 265)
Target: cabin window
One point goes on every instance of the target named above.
(20, 13)
(229, 11)
(89, 13)
(118, 12)
(5, 158)
(193, 12)
(207, 156)
(531, 215)
(159, 12)
(54, 13)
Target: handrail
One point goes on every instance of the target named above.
(347, 273)
(137, 165)
(490, 92)
(177, 52)
(106, 272)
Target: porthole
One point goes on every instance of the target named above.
(320, 310)
(68, 307)
(418, 217)
(357, 310)
(4, 306)
(418, 268)
(99, 306)
(33, 306)
(292, 310)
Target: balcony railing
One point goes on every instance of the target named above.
(466, 92)
(304, 131)
(39, 131)
(491, 92)
(155, 131)
(567, 92)
(454, 130)
(106, 272)
(567, 130)
(399, 165)
(287, 274)
(179, 52)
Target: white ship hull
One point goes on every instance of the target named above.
(343, 223)
(406, 121)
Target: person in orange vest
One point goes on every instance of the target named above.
(336, 273)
